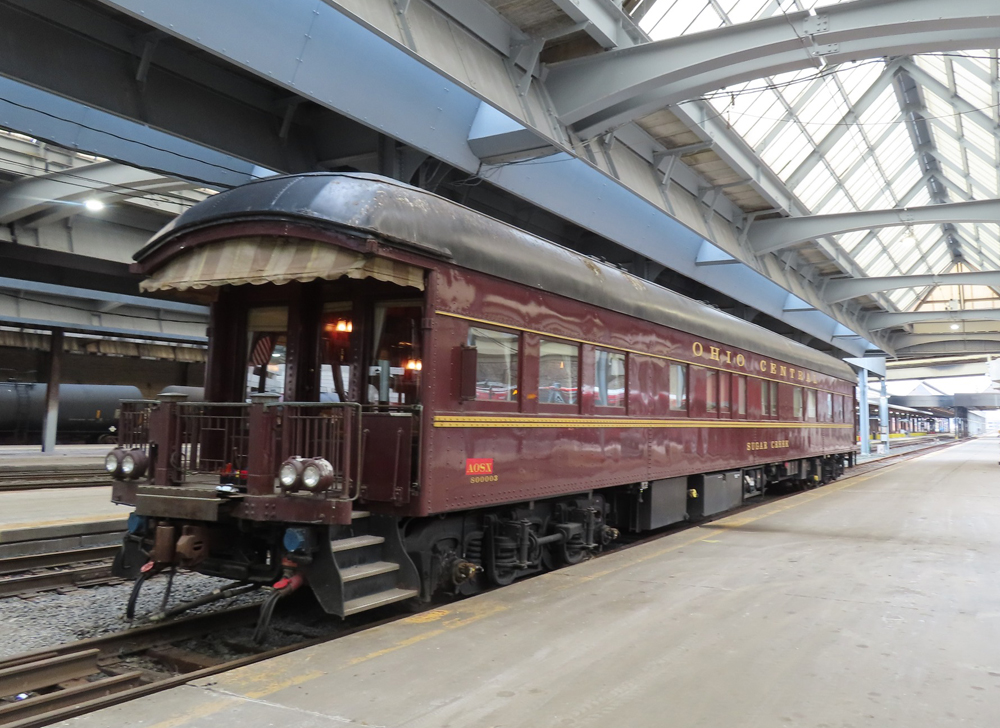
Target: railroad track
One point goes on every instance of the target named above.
(21, 575)
(62, 555)
(46, 686)
(35, 478)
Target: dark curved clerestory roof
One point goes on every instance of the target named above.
(414, 218)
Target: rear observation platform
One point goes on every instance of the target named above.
(871, 601)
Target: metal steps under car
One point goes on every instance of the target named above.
(365, 567)
(362, 604)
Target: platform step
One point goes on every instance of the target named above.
(380, 599)
(355, 542)
(363, 571)
(355, 515)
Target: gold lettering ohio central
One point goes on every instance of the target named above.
(725, 356)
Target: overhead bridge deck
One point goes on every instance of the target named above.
(871, 601)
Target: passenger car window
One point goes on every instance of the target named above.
(678, 388)
(828, 413)
(609, 378)
(711, 390)
(558, 372)
(740, 406)
(725, 387)
(496, 364)
(797, 403)
(774, 399)
(810, 404)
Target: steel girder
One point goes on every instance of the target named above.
(927, 371)
(75, 125)
(938, 343)
(844, 289)
(437, 112)
(66, 189)
(600, 92)
(770, 235)
(886, 319)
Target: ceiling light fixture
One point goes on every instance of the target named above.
(955, 327)
(94, 205)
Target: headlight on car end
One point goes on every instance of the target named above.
(290, 474)
(113, 463)
(317, 475)
(133, 464)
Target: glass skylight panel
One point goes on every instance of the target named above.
(946, 143)
(940, 111)
(978, 136)
(909, 257)
(866, 254)
(921, 198)
(743, 11)
(881, 266)
(884, 110)
(707, 19)
(816, 185)
(785, 155)
(823, 108)
(863, 182)
(971, 83)
(904, 298)
(894, 151)
(858, 78)
(907, 177)
(674, 20)
(849, 241)
(984, 174)
(934, 65)
(838, 202)
(847, 150)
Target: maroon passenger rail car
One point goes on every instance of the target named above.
(404, 395)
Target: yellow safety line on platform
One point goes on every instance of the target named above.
(589, 422)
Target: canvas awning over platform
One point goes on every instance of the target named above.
(271, 259)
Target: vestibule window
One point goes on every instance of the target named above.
(267, 340)
(395, 372)
(335, 331)
(496, 364)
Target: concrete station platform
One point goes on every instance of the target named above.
(16, 457)
(874, 601)
(56, 512)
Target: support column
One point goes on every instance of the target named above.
(883, 416)
(52, 392)
(866, 445)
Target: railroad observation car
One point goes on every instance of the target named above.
(405, 396)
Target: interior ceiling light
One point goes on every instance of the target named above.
(955, 327)
(94, 205)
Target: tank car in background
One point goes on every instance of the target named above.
(404, 396)
(87, 412)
